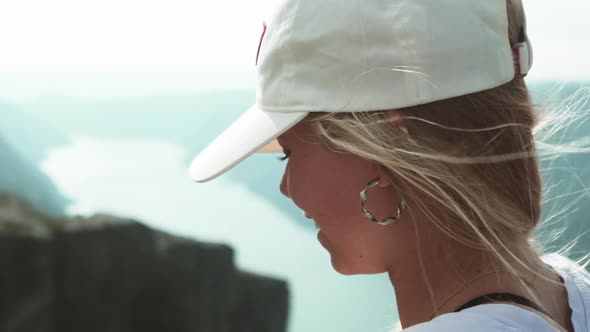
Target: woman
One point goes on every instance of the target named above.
(420, 109)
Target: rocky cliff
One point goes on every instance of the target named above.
(108, 274)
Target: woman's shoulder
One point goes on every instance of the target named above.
(564, 264)
(493, 317)
(458, 321)
(577, 284)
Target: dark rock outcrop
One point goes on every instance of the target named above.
(26, 284)
(109, 274)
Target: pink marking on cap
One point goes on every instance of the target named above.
(516, 59)
(261, 38)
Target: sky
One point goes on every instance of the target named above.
(194, 36)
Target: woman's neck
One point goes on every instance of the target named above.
(436, 287)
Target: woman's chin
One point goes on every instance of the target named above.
(350, 269)
(346, 266)
(342, 268)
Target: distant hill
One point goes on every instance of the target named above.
(187, 119)
(29, 133)
(24, 179)
(192, 120)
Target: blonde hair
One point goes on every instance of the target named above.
(476, 155)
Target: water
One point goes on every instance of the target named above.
(138, 169)
(148, 180)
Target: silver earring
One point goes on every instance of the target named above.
(369, 215)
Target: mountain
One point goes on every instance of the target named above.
(193, 119)
(190, 120)
(185, 118)
(30, 134)
(22, 178)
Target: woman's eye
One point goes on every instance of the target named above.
(286, 156)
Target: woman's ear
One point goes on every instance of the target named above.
(394, 117)
(384, 180)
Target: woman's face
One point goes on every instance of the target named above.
(327, 185)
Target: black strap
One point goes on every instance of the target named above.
(501, 297)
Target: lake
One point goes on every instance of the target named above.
(148, 180)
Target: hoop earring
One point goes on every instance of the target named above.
(369, 215)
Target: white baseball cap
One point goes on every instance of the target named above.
(366, 55)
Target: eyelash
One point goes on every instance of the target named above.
(286, 156)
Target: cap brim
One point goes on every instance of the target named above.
(253, 131)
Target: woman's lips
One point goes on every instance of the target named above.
(308, 217)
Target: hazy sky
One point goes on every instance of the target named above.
(189, 35)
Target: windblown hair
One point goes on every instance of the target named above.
(476, 155)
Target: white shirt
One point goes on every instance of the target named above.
(500, 317)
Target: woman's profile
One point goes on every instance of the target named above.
(409, 138)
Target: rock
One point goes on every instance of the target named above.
(26, 284)
(258, 309)
(198, 284)
(111, 274)
(18, 217)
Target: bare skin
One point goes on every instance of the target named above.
(326, 185)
